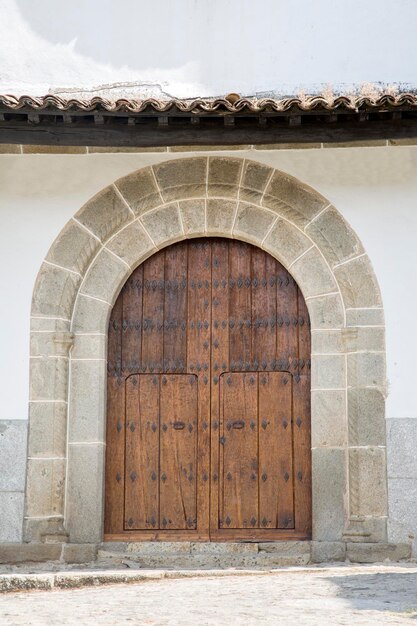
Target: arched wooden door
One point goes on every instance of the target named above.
(208, 412)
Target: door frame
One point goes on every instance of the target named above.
(120, 227)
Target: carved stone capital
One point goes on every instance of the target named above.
(63, 342)
(55, 532)
(45, 530)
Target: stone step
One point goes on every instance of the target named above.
(202, 555)
(170, 562)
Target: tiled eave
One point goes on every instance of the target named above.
(216, 105)
(52, 120)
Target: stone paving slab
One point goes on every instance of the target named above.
(317, 595)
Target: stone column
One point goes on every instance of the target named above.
(44, 511)
(366, 421)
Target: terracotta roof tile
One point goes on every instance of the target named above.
(206, 105)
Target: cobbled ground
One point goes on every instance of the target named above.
(307, 596)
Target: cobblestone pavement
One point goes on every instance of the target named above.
(306, 596)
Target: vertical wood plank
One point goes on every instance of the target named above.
(219, 361)
(198, 363)
(287, 321)
(239, 451)
(142, 452)
(132, 323)
(115, 455)
(276, 481)
(175, 309)
(240, 314)
(302, 421)
(153, 314)
(178, 452)
(264, 309)
(115, 427)
(114, 344)
(302, 452)
(304, 336)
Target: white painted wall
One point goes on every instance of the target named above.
(202, 48)
(374, 188)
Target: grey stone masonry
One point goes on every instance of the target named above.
(201, 555)
(402, 480)
(13, 442)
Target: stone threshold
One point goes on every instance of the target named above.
(199, 555)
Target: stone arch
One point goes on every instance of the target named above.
(83, 273)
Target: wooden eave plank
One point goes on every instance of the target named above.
(145, 132)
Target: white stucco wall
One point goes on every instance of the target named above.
(200, 48)
(374, 188)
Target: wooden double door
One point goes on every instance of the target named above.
(208, 410)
